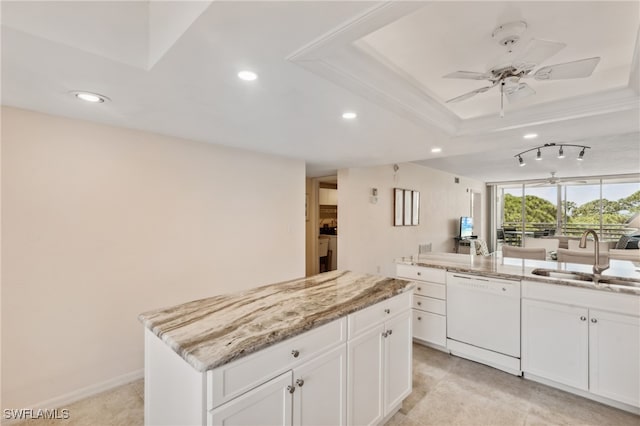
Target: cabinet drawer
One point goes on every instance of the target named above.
(237, 377)
(430, 304)
(437, 291)
(421, 273)
(431, 328)
(376, 314)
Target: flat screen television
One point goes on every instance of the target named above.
(466, 227)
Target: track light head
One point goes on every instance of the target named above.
(561, 152)
(521, 161)
(539, 155)
(581, 155)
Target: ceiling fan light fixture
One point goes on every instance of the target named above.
(561, 152)
(539, 155)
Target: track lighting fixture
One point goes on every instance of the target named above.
(539, 149)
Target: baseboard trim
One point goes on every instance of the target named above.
(430, 345)
(582, 393)
(82, 393)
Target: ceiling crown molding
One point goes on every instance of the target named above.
(342, 57)
(335, 57)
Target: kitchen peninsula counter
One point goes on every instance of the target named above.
(521, 269)
(211, 332)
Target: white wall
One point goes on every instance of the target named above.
(100, 224)
(368, 241)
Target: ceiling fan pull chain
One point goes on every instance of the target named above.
(502, 99)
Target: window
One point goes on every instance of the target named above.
(610, 206)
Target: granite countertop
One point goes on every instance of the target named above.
(211, 332)
(512, 268)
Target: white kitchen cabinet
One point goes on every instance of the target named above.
(365, 378)
(614, 356)
(379, 361)
(319, 397)
(554, 342)
(328, 196)
(571, 337)
(397, 360)
(267, 404)
(429, 304)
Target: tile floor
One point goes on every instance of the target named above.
(446, 391)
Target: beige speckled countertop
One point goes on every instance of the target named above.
(211, 332)
(511, 268)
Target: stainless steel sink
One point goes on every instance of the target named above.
(565, 275)
(586, 277)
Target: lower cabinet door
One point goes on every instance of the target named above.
(321, 390)
(365, 378)
(268, 404)
(430, 327)
(555, 341)
(398, 365)
(614, 356)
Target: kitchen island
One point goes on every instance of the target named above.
(551, 322)
(266, 355)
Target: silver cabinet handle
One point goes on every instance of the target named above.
(295, 353)
(419, 318)
(594, 320)
(583, 318)
(291, 389)
(300, 382)
(390, 332)
(385, 334)
(419, 303)
(419, 288)
(387, 311)
(419, 273)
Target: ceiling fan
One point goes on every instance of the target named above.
(518, 65)
(553, 180)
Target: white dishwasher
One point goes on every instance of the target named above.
(483, 320)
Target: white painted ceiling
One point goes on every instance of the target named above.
(170, 68)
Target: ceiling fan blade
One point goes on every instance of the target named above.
(521, 91)
(576, 69)
(469, 94)
(536, 52)
(467, 75)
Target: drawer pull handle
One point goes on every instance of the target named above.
(419, 303)
(419, 288)
(387, 311)
(419, 318)
(295, 353)
(291, 389)
(300, 382)
(594, 320)
(583, 318)
(390, 332)
(419, 273)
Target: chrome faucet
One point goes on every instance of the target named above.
(597, 268)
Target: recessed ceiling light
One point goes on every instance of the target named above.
(247, 75)
(530, 136)
(91, 97)
(436, 150)
(349, 115)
